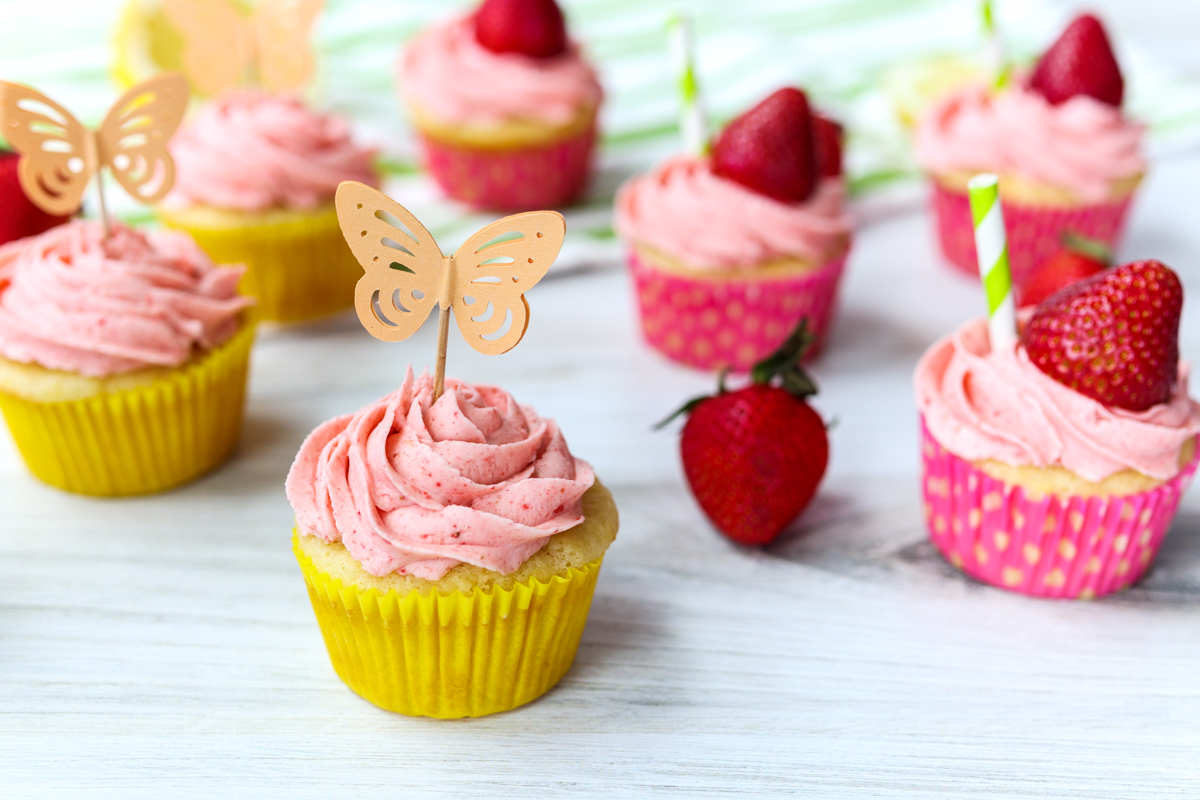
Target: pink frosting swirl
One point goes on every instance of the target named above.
(251, 151)
(417, 487)
(709, 222)
(1082, 145)
(985, 405)
(71, 300)
(446, 72)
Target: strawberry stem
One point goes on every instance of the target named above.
(1092, 248)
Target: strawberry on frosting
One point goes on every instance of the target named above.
(416, 487)
(253, 151)
(72, 300)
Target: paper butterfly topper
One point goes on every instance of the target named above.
(59, 155)
(407, 275)
(223, 47)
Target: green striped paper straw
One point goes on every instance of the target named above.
(693, 124)
(991, 245)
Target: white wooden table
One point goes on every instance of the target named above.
(164, 647)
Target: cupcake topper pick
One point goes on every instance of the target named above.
(692, 120)
(407, 274)
(59, 155)
(224, 47)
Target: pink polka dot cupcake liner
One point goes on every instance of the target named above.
(1034, 232)
(712, 323)
(1057, 547)
(521, 179)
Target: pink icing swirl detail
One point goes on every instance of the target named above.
(446, 72)
(69, 300)
(417, 487)
(981, 404)
(709, 222)
(1082, 145)
(250, 151)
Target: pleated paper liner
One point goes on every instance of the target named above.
(299, 268)
(731, 321)
(139, 440)
(1063, 547)
(452, 655)
(1034, 232)
(513, 179)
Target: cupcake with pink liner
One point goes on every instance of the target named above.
(256, 176)
(1069, 160)
(123, 359)
(729, 251)
(505, 105)
(1054, 467)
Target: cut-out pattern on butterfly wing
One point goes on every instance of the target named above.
(493, 270)
(132, 141)
(218, 42)
(56, 154)
(281, 31)
(401, 286)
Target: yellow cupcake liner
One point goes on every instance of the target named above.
(140, 440)
(452, 655)
(299, 268)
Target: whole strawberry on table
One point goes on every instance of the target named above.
(754, 456)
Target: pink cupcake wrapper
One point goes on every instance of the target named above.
(524, 179)
(711, 323)
(1075, 547)
(1034, 233)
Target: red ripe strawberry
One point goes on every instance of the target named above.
(1080, 62)
(828, 135)
(19, 217)
(770, 148)
(532, 27)
(1080, 258)
(754, 456)
(1113, 337)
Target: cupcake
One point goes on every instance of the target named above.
(729, 252)
(1068, 158)
(255, 179)
(20, 217)
(504, 104)
(1054, 467)
(122, 360)
(450, 548)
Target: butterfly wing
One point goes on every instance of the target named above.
(281, 31)
(493, 270)
(403, 268)
(218, 42)
(132, 141)
(56, 161)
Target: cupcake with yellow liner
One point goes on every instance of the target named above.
(450, 548)
(123, 359)
(256, 176)
(1054, 467)
(1069, 160)
(505, 105)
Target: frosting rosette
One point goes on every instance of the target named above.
(708, 222)
(1083, 145)
(416, 487)
(448, 74)
(252, 151)
(982, 404)
(72, 300)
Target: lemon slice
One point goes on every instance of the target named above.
(145, 42)
(914, 86)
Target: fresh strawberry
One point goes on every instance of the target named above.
(754, 456)
(532, 27)
(19, 217)
(1080, 62)
(828, 135)
(1113, 337)
(770, 148)
(1080, 258)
